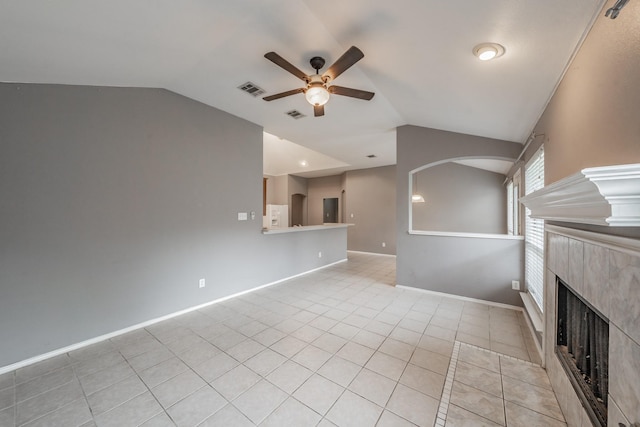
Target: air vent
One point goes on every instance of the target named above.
(295, 114)
(372, 156)
(251, 89)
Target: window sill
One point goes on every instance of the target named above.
(470, 235)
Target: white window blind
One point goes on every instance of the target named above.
(534, 231)
(510, 208)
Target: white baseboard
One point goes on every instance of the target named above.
(370, 253)
(444, 294)
(53, 353)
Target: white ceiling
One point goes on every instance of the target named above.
(417, 60)
(282, 157)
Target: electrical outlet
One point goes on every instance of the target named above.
(319, 254)
(515, 285)
(201, 283)
(384, 244)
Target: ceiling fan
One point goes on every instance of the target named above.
(318, 90)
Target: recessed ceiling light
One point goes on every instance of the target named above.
(303, 163)
(488, 51)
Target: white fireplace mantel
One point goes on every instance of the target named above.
(608, 195)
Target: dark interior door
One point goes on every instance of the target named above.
(330, 210)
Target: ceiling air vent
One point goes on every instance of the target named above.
(251, 89)
(295, 114)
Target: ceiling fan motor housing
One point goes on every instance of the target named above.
(317, 62)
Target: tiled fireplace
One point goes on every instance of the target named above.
(603, 270)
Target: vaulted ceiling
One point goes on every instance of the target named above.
(418, 60)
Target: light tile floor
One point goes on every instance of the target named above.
(336, 347)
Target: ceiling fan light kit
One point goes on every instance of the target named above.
(488, 51)
(318, 91)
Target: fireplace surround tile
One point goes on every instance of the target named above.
(596, 277)
(611, 283)
(576, 264)
(574, 410)
(549, 309)
(625, 293)
(558, 255)
(624, 380)
(616, 417)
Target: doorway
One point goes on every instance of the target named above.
(297, 209)
(330, 210)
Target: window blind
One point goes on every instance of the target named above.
(534, 231)
(510, 208)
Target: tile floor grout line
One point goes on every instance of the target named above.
(504, 400)
(443, 408)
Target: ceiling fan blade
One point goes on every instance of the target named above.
(283, 63)
(353, 93)
(318, 110)
(283, 94)
(350, 57)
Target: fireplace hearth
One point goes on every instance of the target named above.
(582, 346)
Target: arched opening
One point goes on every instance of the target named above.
(465, 195)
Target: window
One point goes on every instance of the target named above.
(510, 208)
(534, 231)
(513, 211)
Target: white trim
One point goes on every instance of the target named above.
(370, 253)
(469, 235)
(41, 357)
(538, 346)
(608, 195)
(469, 299)
(534, 313)
(303, 228)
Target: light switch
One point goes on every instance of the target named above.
(242, 216)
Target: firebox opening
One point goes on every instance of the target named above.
(582, 347)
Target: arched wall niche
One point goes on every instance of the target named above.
(460, 199)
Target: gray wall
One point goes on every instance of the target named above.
(115, 201)
(319, 189)
(280, 190)
(370, 196)
(460, 199)
(476, 268)
(592, 119)
(277, 189)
